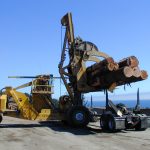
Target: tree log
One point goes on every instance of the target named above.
(102, 64)
(136, 72)
(131, 61)
(132, 79)
(114, 76)
(104, 74)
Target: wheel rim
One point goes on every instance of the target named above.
(79, 116)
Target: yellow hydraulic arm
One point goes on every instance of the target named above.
(69, 38)
(23, 103)
(79, 53)
(26, 109)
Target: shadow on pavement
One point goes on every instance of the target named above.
(58, 126)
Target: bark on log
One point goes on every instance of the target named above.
(119, 75)
(107, 72)
(131, 61)
(133, 79)
(116, 66)
(107, 79)
(102, 64)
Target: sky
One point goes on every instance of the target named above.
(30, 35)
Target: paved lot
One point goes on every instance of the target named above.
(18, 134)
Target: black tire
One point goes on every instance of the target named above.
(111, 124)
(104, 122)
(138, 127)
(1, 118)
(64, 122)
(78, 116)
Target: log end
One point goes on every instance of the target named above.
(134, 62)
(128, 72)
(136, 72)
(144, 74)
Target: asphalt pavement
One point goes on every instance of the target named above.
(19, 134)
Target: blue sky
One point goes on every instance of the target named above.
(30, 35)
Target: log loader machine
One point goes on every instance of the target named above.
(38, 105)
(104, 75)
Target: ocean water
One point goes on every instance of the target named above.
(128, 103)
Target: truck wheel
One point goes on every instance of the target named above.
(64, 122)
(78, 116)
(138, 127)
(104, 122)
(111, 124)
(1, 118)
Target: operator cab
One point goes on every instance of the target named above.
(42, 85)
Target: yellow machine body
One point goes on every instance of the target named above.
(26, 109)
(37, 106)
(3, 99)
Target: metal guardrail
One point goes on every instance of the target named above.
(43, 89)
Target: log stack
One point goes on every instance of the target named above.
(107, 72)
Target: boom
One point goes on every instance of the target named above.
(79, 52)
(104, 74)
